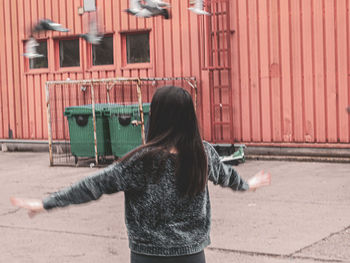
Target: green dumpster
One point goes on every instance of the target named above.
(124, 129)
(81, 131)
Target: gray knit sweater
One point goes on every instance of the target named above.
(159, 221)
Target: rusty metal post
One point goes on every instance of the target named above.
(139, 96)
(108, 89)
(94, 120)
(49, 122)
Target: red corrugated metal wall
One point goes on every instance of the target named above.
(290, 70)
(289, 59)
(174, 48)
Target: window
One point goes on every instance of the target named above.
(102, 54)
(137, 48)
(89, 5)
(40, 62)
(69, 53)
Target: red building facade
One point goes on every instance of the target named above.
(269, 72)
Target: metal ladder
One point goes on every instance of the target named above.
(217, 60)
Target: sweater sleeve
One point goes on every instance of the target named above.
(115, 178)
(222, 174)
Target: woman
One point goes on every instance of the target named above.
(167, 205)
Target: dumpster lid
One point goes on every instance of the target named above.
(126, 109)
(85, 109)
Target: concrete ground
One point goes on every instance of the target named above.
(304, 216)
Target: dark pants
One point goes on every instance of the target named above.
(194, 258)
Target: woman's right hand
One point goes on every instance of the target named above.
(258, 180)
(33, 206)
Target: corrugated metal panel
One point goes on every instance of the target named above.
(174, 52)
(290, 65)
(290, 71)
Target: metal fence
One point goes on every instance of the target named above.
(79, 114)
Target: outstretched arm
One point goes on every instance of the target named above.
(226, 176)
(90, 188)
(106, 181)
(117, 177)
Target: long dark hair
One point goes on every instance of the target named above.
(173, 125)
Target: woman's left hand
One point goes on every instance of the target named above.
(259, 180)
(34, 206)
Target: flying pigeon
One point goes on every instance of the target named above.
(198, 8)
(93, 36)
(156, 3)
(146, 10)
(46, 24)
(30, 49)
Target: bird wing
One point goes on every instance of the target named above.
(199, 4)
(151, 4)
(93, 27)
(31, 45)
(160, 3)
(156, 4)
(30, 49)
(95, 35)
(38, 27)
(135, 4)
(56, 26)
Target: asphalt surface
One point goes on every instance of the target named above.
(304, 216)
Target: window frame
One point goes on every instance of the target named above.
(90, 66)
(58, 68)
(89, 5)
(125, 64)
(27, 68)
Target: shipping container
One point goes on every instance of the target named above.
(269, 72)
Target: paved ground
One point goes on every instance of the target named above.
(304, 216)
